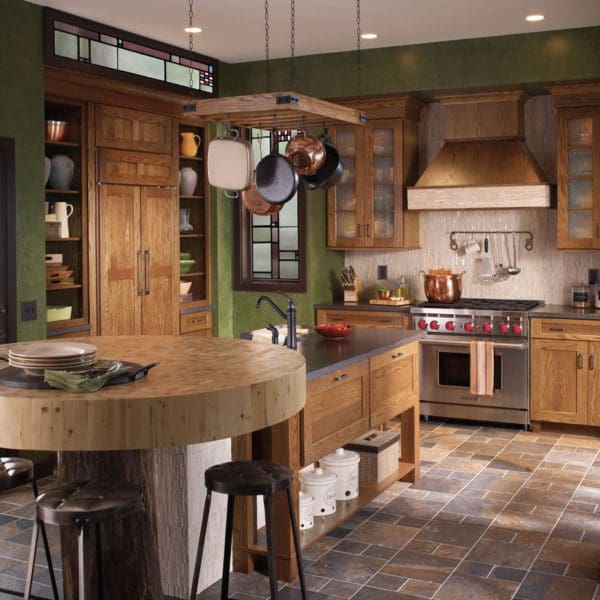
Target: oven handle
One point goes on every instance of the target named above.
(438, 342)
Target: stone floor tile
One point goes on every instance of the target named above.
(548, 566)
(351, 547)
(469, 567)
(387, 582)
(346, 567)
(574, 553)
(540, 498)
(578, 526)
(475, 506)
(504, 554)
(471, 587)
(425, 567)
(384, 552)
(451, 551)
(394, 536)
(521, 517)
(543, 586)
(313, 583)
(434, 484)
(372, 593)
(339, 589)
(454, 534)
(508, 574)
(414, 507)
(421, 589)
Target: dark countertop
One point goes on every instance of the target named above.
(564, 311)
(324, 356)
(363, 305)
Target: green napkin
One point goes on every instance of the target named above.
(87, 379)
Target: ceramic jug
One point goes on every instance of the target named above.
(184, 220)
(63, 211)
(190, 142)
(188, 180)
(62, 169)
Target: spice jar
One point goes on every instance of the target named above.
(581, 295)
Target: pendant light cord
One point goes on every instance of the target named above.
(358, 56)
(191, 45)
(292, 44)
(267, 61)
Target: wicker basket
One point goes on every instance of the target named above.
(379, 452)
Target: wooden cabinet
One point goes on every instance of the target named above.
(136, 168)
(367, 208)
(364, 318)
(578, 165)
(196, 323)
(67, 278)
(138, 278)
(565, 355)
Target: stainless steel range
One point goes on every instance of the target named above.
(446, 361)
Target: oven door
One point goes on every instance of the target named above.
(446, 369)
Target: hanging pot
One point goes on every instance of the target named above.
(330, 172)
(276, 177)
(229, 162)
(256, 204)
(306, 152)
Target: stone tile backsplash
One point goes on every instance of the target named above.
(546, 273)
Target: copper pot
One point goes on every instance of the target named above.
(444, 289)
(306, 152)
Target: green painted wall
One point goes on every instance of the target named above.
(527, 60)
(22, 118)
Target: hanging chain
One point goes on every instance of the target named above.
(292, 44)
(358, 57)
(267, 61)
(191, 44)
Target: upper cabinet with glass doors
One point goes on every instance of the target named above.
(366, 209)
(578, 165)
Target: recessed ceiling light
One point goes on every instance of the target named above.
(369, 36)
(193, 29)
(534, 18)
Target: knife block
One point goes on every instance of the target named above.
(353, 295)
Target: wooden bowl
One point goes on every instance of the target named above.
(334, 331)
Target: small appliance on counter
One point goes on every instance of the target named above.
(582, 295)
(594, 281)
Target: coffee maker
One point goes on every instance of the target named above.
(594, 281)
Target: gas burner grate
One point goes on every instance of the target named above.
(486, 304)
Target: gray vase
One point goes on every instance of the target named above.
(187, 184)
(61, 172)
(47, 167)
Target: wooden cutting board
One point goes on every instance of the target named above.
(391, 302)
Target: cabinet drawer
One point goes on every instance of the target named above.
(133, 130)
(566, 329)
(365, 318)
(336, 411)
(195, 322)
(394, 382)
(136, 168)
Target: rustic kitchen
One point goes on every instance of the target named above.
(350, 283)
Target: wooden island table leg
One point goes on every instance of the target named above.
(129, 546)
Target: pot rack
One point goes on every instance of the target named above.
(455, 234)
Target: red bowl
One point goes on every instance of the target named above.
(334, 330)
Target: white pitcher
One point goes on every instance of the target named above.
(63, 211)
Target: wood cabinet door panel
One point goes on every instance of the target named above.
(158, 242)
(394, 382)
(136, 168)
(365, 318)
(593, 366)
(559, 381)
(119, 260)
(133, 129)
(195, 322)
(336, 411)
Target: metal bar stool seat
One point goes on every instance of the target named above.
(248, 478)
(15, 472)
(81, 504)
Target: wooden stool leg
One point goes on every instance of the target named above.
(31, 564)
(46, 546)
(271, 564)
(296, 543)
(82, 574)
(227, 553)
(200, 550)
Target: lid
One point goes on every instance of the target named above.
(374, 441)
(340, 458)
(306, 498)
(319, 477)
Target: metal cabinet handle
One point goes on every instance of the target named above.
(385, 320)
(598, 230)
(368, 226)
(591, 362)
(197, 320)
(147, 271)
(140, 268)
(580, 361)
(358, 230)
(341, 377)
(558, 328)
(397, 355)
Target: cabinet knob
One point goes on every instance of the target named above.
(341, 377)
(397, 355)
(580, 361)
(558, 329)
(591, 362)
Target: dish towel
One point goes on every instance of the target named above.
(482, 367)
(87, 379)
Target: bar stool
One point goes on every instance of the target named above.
(81, 504)
(15, 472)
(247, 478)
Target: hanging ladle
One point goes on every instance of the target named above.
(512, 268)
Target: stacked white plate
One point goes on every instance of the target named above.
(37, 357)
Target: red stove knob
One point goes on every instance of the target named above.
(504, 327)
(517, 328)
(468, 327)
(434, 325)
(422, 324)
(450, 325)
(487, 327)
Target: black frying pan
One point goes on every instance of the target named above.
(276, 177)
(329, 173)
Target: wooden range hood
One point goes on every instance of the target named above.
(484, 162)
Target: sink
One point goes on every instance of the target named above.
(263, 336)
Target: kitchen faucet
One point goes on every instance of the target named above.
(289, 315)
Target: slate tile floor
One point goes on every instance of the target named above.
(498, 513)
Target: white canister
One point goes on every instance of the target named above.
(321, 485)
(344, 463)
(306, 509)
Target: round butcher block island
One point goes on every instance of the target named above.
(204, 389)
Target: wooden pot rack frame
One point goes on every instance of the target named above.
(281, 110)
(454, 237)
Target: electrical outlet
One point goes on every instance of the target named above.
(381, 272)
(29, 310)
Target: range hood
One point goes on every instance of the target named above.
(484, 162)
